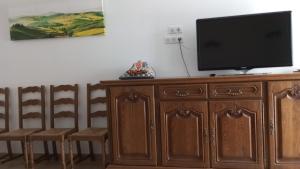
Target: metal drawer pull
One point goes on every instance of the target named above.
(181, 93)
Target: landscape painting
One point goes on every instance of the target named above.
(56, 19)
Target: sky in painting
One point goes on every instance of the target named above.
(57, 6)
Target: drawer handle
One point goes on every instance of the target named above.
(181, 93)
(235, 92)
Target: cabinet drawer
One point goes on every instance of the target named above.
(235, 90)
(183, 91)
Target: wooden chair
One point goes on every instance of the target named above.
(91, 134)
(4, 116)
(59, 134)
(22, 133)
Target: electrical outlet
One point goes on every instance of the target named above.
(173, 39)
(175, 29)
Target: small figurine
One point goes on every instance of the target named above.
(139, 70)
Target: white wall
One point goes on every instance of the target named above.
(135, 30)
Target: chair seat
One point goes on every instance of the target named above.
(18, 134)
(52, 134)
(90, 134)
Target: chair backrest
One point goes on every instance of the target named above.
(92, 100)
(26, 100)
(5, 104)
(55, 101)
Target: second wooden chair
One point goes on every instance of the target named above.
(55, 134)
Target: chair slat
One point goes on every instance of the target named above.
(31, 89)
(32, 102)
(2, 90)
(32, 115)
(97, 86)
(98, 100)
(64, 88)
(64, 101)
(2, 103)
(64, 114)
(98, 114)
(2, 116)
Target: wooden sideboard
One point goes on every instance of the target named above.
(226, 122)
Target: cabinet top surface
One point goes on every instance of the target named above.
(205, 79)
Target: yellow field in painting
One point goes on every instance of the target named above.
(95, 31)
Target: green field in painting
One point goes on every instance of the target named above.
(57, 25)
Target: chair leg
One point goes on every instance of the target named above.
(22, 146)
(54, 150)
(9, 154)
(46, 150)
(31, 154)
(26, 153)
(103, 152)
(9, 151)
(62, 153)
(91, 150)
(71, 153)
(78, 149)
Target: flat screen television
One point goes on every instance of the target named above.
(245, 42)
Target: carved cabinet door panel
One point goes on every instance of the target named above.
(184, 131)
(236, 134)
(133, 125)
(284, 124)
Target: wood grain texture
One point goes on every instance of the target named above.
(184, 130)
(32, 115)
(62, 101)
(133, 125)
(284, 120)
(32, 102)
(98, 100)
(65, 88)
(31, 89)
(236, 134)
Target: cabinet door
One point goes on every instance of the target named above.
(236, 134)
(284, 124)
(184, 130)
(133, 125)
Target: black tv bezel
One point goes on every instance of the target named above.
(242, 67)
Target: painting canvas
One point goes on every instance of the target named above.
(57, 18)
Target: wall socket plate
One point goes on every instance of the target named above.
(174, 29)
(173, 39)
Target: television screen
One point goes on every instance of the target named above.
(245, 42)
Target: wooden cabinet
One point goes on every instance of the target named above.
(133, 125)
(184, 131)
(236, 134)
(284, 124)
(239, 122)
